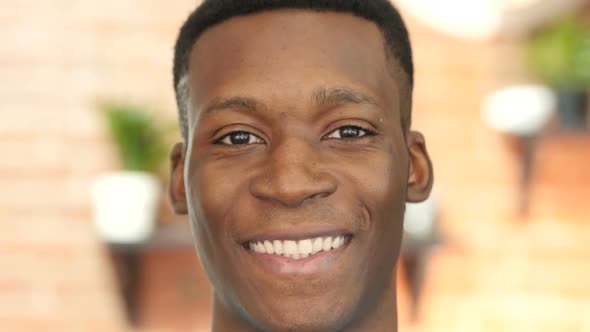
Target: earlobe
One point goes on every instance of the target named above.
(176, 191)
(420, 177)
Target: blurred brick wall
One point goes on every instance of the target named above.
(58, 59)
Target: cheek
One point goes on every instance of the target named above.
(382, 192)
(216, 190)
(382, 187)
(211, 193)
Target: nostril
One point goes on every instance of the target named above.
(320, 195)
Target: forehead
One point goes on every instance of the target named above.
(289, 54)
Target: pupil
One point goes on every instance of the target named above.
(349, 132)
(239, 137)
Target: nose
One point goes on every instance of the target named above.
(293, 174)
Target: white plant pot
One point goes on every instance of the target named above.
(125, 206)
(522, 110)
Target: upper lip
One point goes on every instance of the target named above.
(298, 233)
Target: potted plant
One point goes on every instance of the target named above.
(560, 54)
(126, 201)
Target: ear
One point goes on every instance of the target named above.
(176, 190)
(420, 177)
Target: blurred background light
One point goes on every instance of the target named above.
(483, 19)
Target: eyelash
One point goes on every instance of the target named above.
(367, 133)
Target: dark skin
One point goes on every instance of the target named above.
(295, 127)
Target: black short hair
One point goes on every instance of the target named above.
(212, 12)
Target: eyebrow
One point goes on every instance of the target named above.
(332, 96)
(320, 97)
(247, 103)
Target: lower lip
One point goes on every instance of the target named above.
(318, 263)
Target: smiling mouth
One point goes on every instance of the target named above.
(299, 249)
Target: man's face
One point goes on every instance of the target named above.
(296, 146)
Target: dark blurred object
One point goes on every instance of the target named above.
(573, 107)
(560, 54)
(128, 257)
(126, 262)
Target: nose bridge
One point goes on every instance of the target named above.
(294, 173)
(294, 154)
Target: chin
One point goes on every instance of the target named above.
(315, 317)
(331, 311)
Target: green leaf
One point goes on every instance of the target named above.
(139, 140)
(560, 53)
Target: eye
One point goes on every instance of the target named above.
(349, 132)
(239, 138)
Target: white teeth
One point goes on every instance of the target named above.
(290, 248)
(317, 245)
(297, 249)
(305, 247)
(327, 243)
(269, 247)
(278, 246)
(337, 242)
